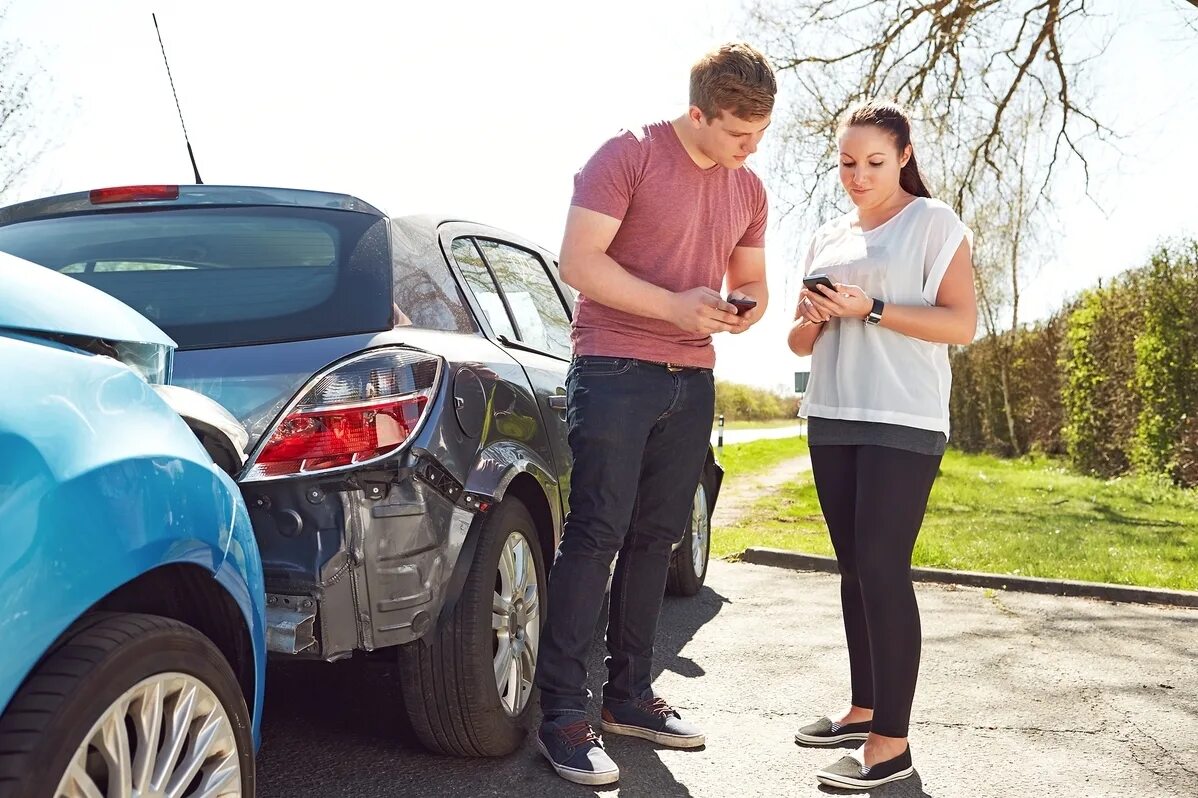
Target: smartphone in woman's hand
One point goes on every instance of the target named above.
(812, 280)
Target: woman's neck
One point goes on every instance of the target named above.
(869, 218)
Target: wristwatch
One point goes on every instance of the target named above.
(875, 314)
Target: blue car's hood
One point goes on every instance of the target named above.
(40, 300)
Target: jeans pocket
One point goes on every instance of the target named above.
(594, 366)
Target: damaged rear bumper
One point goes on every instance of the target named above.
(360, 563)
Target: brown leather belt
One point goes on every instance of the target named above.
(674, 367)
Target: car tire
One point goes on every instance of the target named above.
(688, 566)
(449, 681)
(127, 677)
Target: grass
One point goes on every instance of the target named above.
(1029, 517)
(750, 458)
(771, 424)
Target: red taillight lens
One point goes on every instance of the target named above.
(343, 436)
(101, 196)
(362, 410)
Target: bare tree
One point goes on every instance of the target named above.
(963, 66)
(1008, 216)
(20, 144)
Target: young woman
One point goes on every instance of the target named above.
(877, 409)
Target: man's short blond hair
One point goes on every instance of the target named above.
(736, 78)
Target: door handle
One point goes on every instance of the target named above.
(557, 401)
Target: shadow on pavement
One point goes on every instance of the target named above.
(338, 729)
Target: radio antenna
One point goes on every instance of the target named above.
(179, 108)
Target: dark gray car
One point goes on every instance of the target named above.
(402, 383)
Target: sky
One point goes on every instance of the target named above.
(486, 110)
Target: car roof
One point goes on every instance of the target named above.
(81, 202)
(187, 195)
(435, 222)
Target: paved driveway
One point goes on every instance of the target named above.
(1020, 695)
(732, 436)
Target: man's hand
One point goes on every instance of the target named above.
(701, 310)
(747, 317)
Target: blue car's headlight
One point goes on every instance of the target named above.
(151, 361)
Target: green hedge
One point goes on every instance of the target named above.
(1098, 361)
(1166, 373)
(979, 418)
(1111, 380)
(744, 403)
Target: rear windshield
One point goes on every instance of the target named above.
(226, 276)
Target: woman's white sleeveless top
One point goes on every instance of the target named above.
(863, 372)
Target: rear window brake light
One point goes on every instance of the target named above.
(101, 196)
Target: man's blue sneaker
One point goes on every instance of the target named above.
(651, 718)
(576, 752)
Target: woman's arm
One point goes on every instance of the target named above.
(953, 319)
(809, 323)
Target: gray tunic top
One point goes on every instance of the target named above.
(837, 432)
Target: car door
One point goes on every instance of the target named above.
(527, 316)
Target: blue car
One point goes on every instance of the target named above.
(132, 643)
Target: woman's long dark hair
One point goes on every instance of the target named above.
(892, 118)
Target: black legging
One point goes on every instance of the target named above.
(874, 498)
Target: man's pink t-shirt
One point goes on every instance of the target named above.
(678, 226)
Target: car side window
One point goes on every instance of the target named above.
(483, 285)
(537, 308)
(571, 293)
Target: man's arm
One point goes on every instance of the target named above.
(587, 267)
(746, 278)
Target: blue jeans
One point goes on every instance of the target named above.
(639, 433)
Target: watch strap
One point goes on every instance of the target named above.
(875, 313)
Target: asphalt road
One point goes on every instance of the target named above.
(1020, 695)
(732, 436)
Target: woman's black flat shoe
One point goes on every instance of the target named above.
(850, 773)
(826, 732)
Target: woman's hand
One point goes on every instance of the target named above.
(846, 302)
(807, 312)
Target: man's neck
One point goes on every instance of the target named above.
(682, 126)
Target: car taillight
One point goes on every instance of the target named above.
(100, 196)
(362, 410)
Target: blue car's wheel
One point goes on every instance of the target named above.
(129, 705)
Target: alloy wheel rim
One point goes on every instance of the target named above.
(168, 736)
(516, 623)
(700, 531)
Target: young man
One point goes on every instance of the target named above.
(661, 217)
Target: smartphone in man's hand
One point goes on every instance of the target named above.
(742, 304)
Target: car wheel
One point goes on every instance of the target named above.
(469, 684)
(688, 567)
(129, 705)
